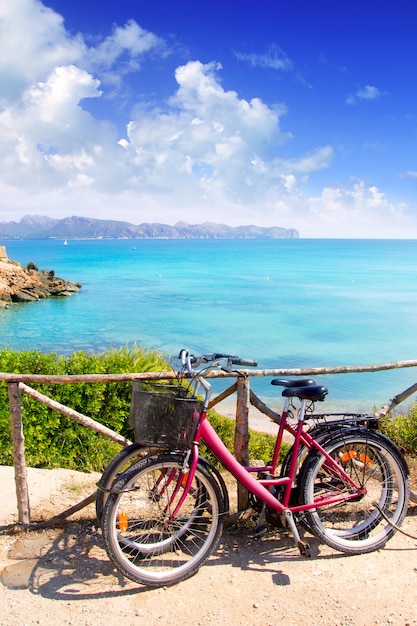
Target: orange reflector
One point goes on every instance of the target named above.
(184, 480)
(123, 523)
(348, 456)
(365, 459)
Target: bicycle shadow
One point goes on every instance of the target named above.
(242, 549)
(246, 551)
(69, 563)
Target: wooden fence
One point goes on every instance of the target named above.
(17, 384)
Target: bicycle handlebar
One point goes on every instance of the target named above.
(236, 360)
(191, 361)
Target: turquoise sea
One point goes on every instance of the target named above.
(287, 303)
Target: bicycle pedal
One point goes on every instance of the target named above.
(304, 549)
(260, 531)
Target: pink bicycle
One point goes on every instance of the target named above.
(164, 515)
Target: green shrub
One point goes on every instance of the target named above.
(54, 440)
(402, 428)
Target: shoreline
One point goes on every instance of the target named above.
(257, 421)
(260, 422)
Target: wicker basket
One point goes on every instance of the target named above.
(162, 418)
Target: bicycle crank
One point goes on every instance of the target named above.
(302, 545)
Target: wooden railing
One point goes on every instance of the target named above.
(17, 384)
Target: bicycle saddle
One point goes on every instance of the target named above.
(286, 382)
(312, 392)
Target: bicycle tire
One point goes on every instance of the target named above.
(133, 547)
(356, 526)
(129, 544)
(127, 457)
(148, 545)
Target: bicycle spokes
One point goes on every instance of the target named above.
(156, 546)
(350, 518)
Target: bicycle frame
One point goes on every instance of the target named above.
(259, 488)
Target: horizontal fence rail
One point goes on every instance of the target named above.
(18, 383)
(304, 371)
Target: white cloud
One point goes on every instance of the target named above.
(358, 210)
(46, 127)
(369, 92)
(35, 41)
(274, 58)
(129, 38)
(306, 165)
(204, 154)
(122, 52)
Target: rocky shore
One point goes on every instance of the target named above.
(25, 284)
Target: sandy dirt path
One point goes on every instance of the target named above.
(63, 576)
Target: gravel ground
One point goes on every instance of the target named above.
(63, 576)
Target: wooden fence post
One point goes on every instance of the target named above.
(19, 461)
(242, 435)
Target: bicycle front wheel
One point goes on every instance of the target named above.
(364, 522)
(145, 537)
(118, 464)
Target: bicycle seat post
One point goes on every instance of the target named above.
(298, 432)
(302, 411)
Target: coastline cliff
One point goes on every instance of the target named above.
(26, 284)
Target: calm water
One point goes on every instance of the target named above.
(286, 303)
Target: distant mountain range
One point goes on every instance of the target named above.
(41, 227)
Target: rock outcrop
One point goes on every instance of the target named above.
(25, 284)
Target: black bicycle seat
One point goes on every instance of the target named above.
(313, 392)
(286, 382)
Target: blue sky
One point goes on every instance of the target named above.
(301, 115)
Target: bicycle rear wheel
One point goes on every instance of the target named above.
(144, 539)
(357, 525)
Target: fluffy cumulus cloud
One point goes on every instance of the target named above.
(205, 153)
(358, 210)
(209, 144)
(34, 41)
